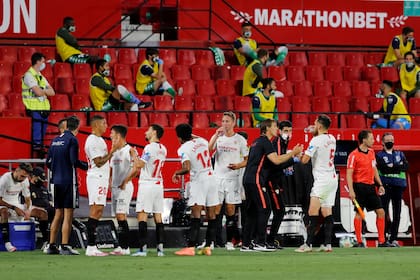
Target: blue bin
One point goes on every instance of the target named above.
(22, 235)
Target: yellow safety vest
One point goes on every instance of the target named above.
(63, 49)
(390, 55)
(251, 43)
(408, 79)
(399, 108)
(98, 96)
(30, 100)
(249, 78)
(266, 105)
(143, 80)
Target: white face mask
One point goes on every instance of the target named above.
(106, 73)
(72, 28)
(247, 34)
(42, 67)
(409, 64)
(285, 136)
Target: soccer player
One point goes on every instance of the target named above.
(361, 176)
(256, 182)
(196, 161)
(97, 179)
(321, 152)
(122, 188)
(231, 154)
(150, 193)
(399, 46)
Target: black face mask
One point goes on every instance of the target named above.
(389, 145)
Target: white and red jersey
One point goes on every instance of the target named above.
(197, 152)
(154, 156)
(322, 150)
(10, 190)
(95, 147)
(229, 150)
(121, 164)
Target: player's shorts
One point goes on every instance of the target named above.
(97, 187)
(325, 189)
(12, 213)
(203, 191)
(228, 190)
(366, 196)
(150, 197)
(150, 89)
(65, 196)
(121, 199)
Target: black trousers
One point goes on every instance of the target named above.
(278, 207)
(394, 194)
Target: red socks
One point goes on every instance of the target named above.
(380, 225)
(358, 229)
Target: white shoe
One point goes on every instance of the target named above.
(204, 245)
(262, 248)
(139, 254)
(45, 247)
(325, 248)
(93, 251)
(120, 252)
(304, 249)
(229, 246)
(160, 254)
(9, 247)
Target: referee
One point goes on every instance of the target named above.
(361, 176)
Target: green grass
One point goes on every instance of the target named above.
(351, 263)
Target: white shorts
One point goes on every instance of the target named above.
(121, 199)
(325, 189)
(203, 191)
(228, 190)
(12, 213)
(97, 187)
(150, 197)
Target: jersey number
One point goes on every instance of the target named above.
(158, 166)
(204, 159)
(332, 153)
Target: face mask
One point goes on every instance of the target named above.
(155, 59)
(72, 28)
(410, 39)
(42, 67)
(409, 64)
(389, 145)
(247, 34)
(272, 92)
(106, 73)
(285, 136)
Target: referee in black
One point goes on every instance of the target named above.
(255, 183)
(62, 160)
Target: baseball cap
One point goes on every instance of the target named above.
(40, 173)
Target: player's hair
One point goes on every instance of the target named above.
(26, 166)
(407, 30)
(265, 82)
(324, 120)
(386, 134)
(100, 62)
(184, 131)
(96, 118)
(284, 124)
(158, 129)
(387, 82)
(409, 53)
(243, 134)
(261, 53)
(151, 51)
(363, 134)
(67, 20)
(265, 124)
(231, 115)
(120, 129)
(246, 23)
(72, 123)
(36, 57)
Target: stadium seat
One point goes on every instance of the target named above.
(284, 107)
(122, 71)
(297, 59)
(415, 122)
(110, 51)
(138, 119)
(334, 120)
(163, 103)
(375, 87)
(20, 68)
(286, 87)
(82, 86)
(184, 103)
(82, 70)
(180, 72)
(339, 104)
(355, 59)
(301, 104)
(321, 104)
(159, 118)
(303, 88)
(370, 74)
(361, 88)
(188, 87)
(237, 72)
(314, 73)
(15, 103)
(223, 103)
(6, 69)
(25, 53)
(374, 58)
(63, 70)
(79, 101)
(352, 73)
(178, 118)
(244, 120)
(221, 73)
(360, 103)
(225, 88)
(116, 118)
(200, 120)
(414, 105)
(356, 121)
(200, 72)
(322, 88)
(64, 85)
(49, 52)
(242, 103)
(295, 73)
(206, 87)
(300, 121)
(5, 85)
(204, 58)
(278, 73)
(17, 83)
(215, 119)
(48, 73)
(342, 89)
(186, 57)
(168, 56)
(375, 104)
(336, 58)
(203, 103)
(82, 116)
(127, 56)
(317, 58)
(91, 51)
(54, 118)
(8, 54)
(390, 74)
(128, 83)
(11, 114)
(333, 73)
(60, 102)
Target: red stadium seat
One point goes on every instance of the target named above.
(278, 73)
(6, 69)
(334, 120)
(415, 122)
(339, 104)
(17, 83)
(204, 57)
(186, 57)
(82, 70)
(138, 119)
(49, 52)
(48, 74)
(203, 103)
(188, 87)
(15, 103)
(342, 89)
(390, 74)
(336, 58)
(111, 52)
(286, 87)
(215, 119)
(295, 73)
(352, 73)
(54, 117)
(230, 57)
(361, 88)
(314, 73)
(333, 73)
(300, 121)
(159, 118)
(301, 104)
(244, 120)
(91, 51)
(242, 103)
(8, 54)
(128, 83)
(168, 56)
(414, 105)
(178, 118)
(355, 59)
(374, 58)
(79, 101)
(360, 103)
(82, 86)
(297, 58)
(20, 68)
(370, 73)
(375, 104)
(221, 72)
(25, 53)
(180, 72)
(322, 88)
(303, 88)
(63, 70)
(60, 102)
(356, 121)
(223, 103)
(5, 85)
(375, 87)
(64, 85)
(237, 72)
(116, 118)
(200, 72)
(184, 103)
(127, 56)
(206, 87)
(225, 87)
(284, 107)
(200, 120)
(122, 71)
(163, 103)
(321, 104)
(317, 58)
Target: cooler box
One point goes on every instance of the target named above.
(22, 235)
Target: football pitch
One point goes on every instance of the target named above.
(342, 263)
